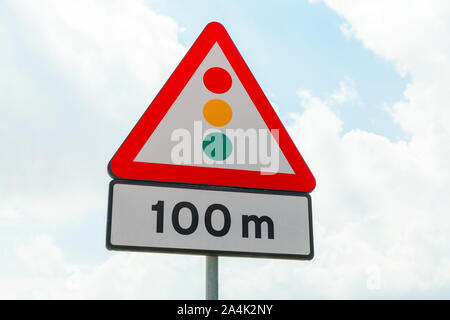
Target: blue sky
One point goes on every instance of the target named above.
(299, 45)
(360, 87)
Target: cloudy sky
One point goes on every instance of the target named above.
(362, 86)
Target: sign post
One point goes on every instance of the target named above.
(210, 169)
(212, 278)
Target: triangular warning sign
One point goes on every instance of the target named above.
(212, 124)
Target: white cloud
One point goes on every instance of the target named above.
(117, 52)
(38, 269)
(346, 93)
(41, 255)
(346, 30)
(376, 202)
(73, 85)
(413, 35)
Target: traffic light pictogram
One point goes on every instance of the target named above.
(218, 113)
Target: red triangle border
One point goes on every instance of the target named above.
(122, 165)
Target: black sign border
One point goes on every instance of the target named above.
(111, 246)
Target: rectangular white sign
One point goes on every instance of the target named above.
(209, 220)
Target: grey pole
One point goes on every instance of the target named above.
(212, 281)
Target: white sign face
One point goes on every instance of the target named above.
(187, 114)
(210, 220)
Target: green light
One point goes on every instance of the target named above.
(217, 146)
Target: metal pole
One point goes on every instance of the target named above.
(212, 281)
